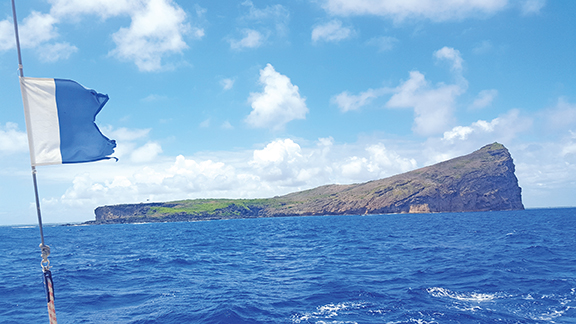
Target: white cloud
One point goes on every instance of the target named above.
(484, 99)
(384, 43)
(103, 8)
(226, 125)
(128, 141)
(157, 29)
(433, 106)
(275, 14)
(56, 52)
(260, 25)
(287, 165)
(384, 162)
(146, 153)
(125, 134)
(227, 83)
(279, 103)
(435, 10)
(36, 29)
(483, 47)
(463, 132)
(347, 102)
(154, 97)
(7, 40)
(252, 39)
(276, 152)
(502, 129)
(280, 167)
(562, 116)
(529, 7)
(452, 55)
(569, 148)
(332, 31)
(12, 140)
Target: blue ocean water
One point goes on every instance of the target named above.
(492, 267)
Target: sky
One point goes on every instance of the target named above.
(254, 99)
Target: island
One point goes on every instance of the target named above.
(481, 181)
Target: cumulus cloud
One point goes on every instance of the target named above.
(12, 140)
(484, 99)
(451, 55)
(435, 10)
(347, 102)
(332, 31)
(277, 159)
(7, 40)
(276, 152)
(146, 153)
(503, 129)
(279, 103)
(379, 162)
(127, 140)
(433, 105)
(34, 30)
(252, 39)
(280, 167)
(157, 29)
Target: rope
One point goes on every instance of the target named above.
(50, 295)
(48, 284)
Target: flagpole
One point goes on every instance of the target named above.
(45, 263)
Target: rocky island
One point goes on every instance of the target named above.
(481, 181)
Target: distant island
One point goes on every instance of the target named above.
(481, 181)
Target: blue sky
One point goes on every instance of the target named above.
(246, 99)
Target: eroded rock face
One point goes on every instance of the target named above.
(481, 181)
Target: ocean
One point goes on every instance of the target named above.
(483, 267)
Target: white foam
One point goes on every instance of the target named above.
(327, 311)
(468, 297)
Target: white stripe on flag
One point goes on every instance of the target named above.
(39, 97)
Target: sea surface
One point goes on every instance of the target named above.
(485, 267)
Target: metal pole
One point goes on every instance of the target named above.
(21, 69)
(45, 263)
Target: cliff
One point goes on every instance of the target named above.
(481, 181)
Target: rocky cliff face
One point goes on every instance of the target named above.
(481, 181)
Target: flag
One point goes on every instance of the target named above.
(60, 120)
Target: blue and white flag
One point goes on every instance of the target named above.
(60, 116)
